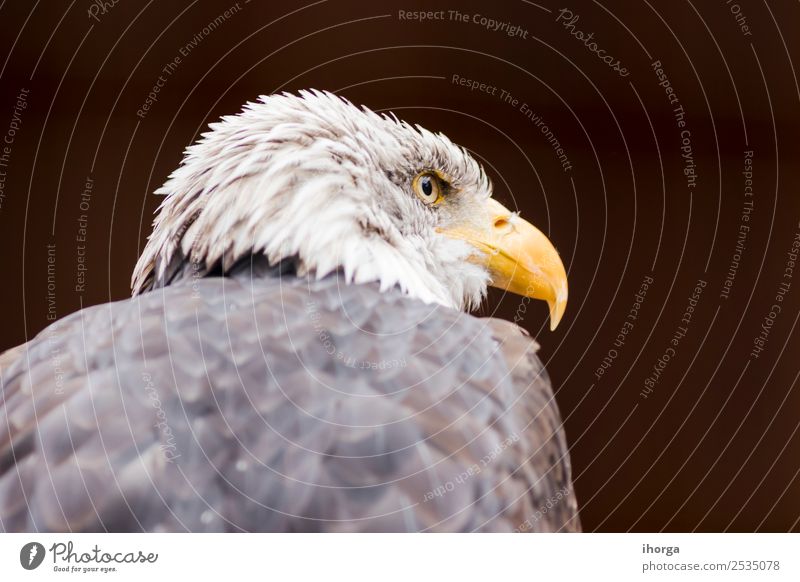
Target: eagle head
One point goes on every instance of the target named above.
(314, 180)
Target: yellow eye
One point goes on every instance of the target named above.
(428, 186)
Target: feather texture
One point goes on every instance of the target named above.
(265, 181)
(280, 404)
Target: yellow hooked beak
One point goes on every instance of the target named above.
(520, 258)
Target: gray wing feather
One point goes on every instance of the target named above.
(280, 405)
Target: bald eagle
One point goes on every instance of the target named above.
(298, 353)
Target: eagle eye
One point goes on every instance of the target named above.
(428, 187)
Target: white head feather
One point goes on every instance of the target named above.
(315, 179)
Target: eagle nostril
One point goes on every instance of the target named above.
(501, 222)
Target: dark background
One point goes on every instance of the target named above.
(714, 446)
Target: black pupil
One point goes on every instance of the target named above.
(427, 185)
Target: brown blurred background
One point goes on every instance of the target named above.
(714, 445)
